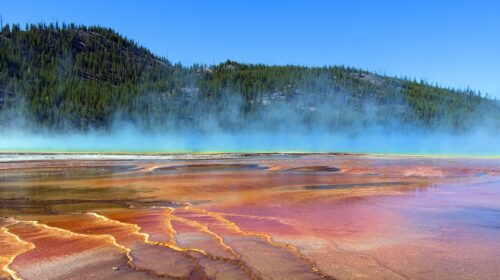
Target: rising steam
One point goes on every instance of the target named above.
(302, 122)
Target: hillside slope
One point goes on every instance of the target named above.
(76, 78)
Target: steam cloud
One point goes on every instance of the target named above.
(302, 122)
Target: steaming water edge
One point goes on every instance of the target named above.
(133, 141)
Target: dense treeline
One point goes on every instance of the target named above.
(77, 77)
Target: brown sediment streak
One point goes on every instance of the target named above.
(170, 229)
(388, 268)
(204, 228)
(240, 263)
(274, 219)
(374, 260)
(107, 237)
(146, 239)
(111, 239)
(171, 232)
(6, 261)
(137, 229)
(172, 244)
(266, 237)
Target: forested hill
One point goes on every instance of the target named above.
(77, 78)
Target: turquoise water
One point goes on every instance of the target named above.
(136, 142)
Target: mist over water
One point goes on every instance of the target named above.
(312, 124)
(136, 141)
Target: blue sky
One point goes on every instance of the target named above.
(453, 43)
